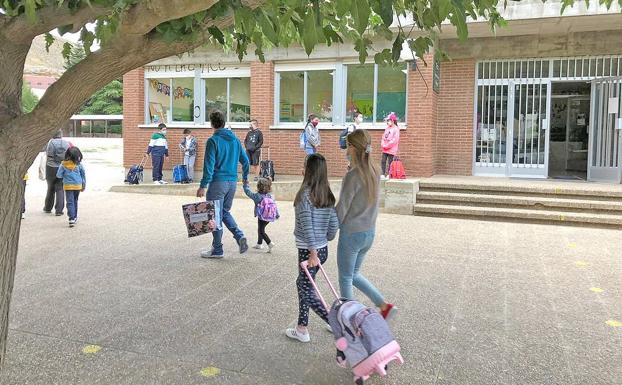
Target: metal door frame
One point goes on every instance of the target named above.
(599, 106)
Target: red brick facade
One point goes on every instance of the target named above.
(428, 145)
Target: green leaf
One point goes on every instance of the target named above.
(49, 40)
(397, 47)
(310, 32)
(459, 20)
(444, 7)
(267, 28)
(245, 20)
(342, 7)
(217, 34)
(30, 8)
(384, 8)
(361, 45)
(360, 13)
(67, 50)
(331, 35)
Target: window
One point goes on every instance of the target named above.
(305, 92)
(183, 99)
(232, 96)
(159, 99)
(376, 91)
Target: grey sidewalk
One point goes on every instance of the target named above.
(480, 302)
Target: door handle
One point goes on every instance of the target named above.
(545, 124)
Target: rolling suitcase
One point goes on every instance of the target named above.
(266, 167)
(135, 173)
(180, 172)
(363, 339)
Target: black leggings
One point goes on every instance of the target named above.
(307, 297)
(261, 232)
(386, 162)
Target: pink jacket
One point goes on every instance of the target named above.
(390, 140)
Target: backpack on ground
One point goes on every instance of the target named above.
(180, 174)
(397, 170)
(135, 173)
(343, 142)
(266, 167)
(266, 210)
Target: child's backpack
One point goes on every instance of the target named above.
(343, 143)
(397, 170)
(363, 338)
(303, 140)
(266, 210)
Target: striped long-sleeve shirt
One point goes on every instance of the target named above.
(314, 226)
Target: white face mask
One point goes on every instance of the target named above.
(359, 119)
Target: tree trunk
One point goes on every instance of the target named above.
(11, 190)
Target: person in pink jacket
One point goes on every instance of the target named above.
(390, 142)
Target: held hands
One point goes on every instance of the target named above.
(313, 258)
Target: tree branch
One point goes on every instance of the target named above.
(20, 29)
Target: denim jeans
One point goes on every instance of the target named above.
(224, 191)
(351, 253)
(189, 162)
(72, 203)
(310, 150)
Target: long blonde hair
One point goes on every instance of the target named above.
(361, 162)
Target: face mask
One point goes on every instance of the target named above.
(314, 124)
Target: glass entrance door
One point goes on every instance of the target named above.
(528, 134)
(605, 163)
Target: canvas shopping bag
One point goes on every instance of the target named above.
(202, 217)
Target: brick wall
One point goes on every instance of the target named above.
(431, 144)
(454, 133)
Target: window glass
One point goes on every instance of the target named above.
(215, 96)
(360, 91)
(320, 94)
(159, 99)
(291, 104)
(391, 91)
(183, 99)
(240, 89)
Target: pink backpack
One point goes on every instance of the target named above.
(266, 209)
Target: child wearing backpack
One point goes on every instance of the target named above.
(74, 181)
(316, 224)
(266, 210)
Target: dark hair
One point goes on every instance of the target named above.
(217, 119)
(187, 131)
(316, 180)
(161, 126)
(73, 154)
(311, 117)
(254, 120)
(264, 185)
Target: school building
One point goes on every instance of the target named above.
(540, 98)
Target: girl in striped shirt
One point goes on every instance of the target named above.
(316, 224)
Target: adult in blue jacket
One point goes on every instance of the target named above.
(223, 152)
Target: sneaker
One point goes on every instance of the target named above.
(270, 247)
(243, 245)
(328, 328)
(72, 222)
(23, 216)
(340, 357)
(163, 182)
(156, 182)
(293, 333)
(259, 246)
(58, 214)
(47, 211)
(389, 312)
(211, 254)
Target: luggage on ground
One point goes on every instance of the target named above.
(266, 167)
(135, 173)
(396, 169)
(363, 339)
(180, 174)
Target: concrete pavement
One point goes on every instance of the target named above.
(123, 298)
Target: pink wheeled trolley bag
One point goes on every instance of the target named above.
(363, 339)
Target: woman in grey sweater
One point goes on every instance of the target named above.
(357, 211)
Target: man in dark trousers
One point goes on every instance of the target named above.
(223, 152)
(253, 143)
(55, 153)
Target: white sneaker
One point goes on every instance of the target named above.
(156, 182)
(209, 253)
(72, 222)
(293, 333)
(258, 247)
(270, 247)
(328, 328)
(163, 182)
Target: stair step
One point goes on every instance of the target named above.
(525, 214)
(536, 203)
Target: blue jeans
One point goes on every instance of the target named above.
(224, 191)
(310, 150)
(71, 197)
(351, 253)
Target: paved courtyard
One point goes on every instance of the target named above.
(123, 298)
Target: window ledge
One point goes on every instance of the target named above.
(300, 126)
(236, 125)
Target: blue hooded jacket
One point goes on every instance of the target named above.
(223, 151)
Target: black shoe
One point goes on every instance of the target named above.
(47, 211)
(243, 245)
(59, 214)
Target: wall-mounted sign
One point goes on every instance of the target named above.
(205, 68)
(436, 75)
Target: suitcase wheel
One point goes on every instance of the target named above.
(359, 381)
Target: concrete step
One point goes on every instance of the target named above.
(577, 190)
(562, 203)
(558, 217)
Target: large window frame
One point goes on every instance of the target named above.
(200, 117)
(340, 80)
